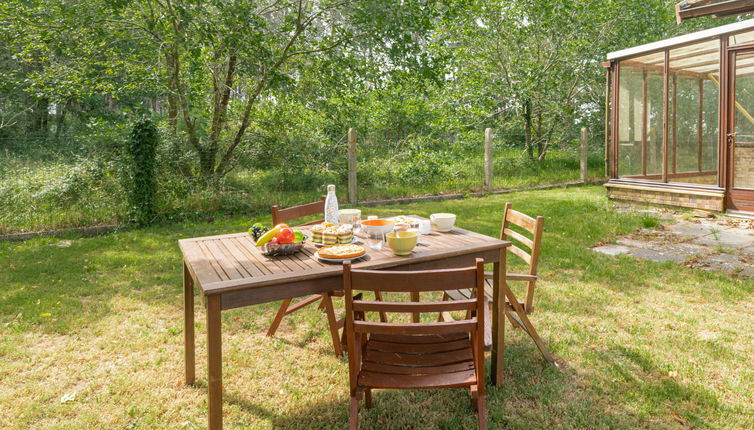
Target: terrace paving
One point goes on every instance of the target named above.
(704, 241)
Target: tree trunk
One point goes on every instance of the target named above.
(170, 59)
(63, 109)
(528, 128)
(38, 117)
(207, 159)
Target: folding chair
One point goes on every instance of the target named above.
(412, 355)
(284, 215)
(515, 310)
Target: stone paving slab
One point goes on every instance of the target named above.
(747, 272)
(726, 263)
(634, 243)
(657, 255)
(696, 230)
(732, 237)
(718, 244)
(612, 249)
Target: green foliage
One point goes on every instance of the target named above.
(142, 187)
(260, 115)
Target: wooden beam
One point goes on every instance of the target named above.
(615, 123)
(666, 89)
(607, 122)
(723, 109)
(694, 9)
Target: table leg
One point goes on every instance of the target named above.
(214, 362)
(188, 325)
(498, 320)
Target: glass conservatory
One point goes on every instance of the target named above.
(681, 120)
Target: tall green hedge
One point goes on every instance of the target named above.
(142, 186)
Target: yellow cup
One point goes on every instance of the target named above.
(402, 242)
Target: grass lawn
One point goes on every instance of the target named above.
(91, 337)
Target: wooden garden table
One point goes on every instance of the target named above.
(231, 272)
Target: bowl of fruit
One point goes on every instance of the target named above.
(278, 240)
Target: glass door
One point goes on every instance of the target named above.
(740, 138)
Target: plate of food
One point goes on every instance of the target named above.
(340, 253)
(329, 234)
(402, 219)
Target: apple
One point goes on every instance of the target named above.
(285, 235)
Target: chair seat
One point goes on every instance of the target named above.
(421, 361)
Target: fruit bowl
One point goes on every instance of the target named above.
(275, 249)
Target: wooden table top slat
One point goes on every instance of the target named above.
(270, 266)
(244, 259)
(232, 262)
(199, 265)
(232, 256)
(230, 267)
(246, 245)
(212, 259)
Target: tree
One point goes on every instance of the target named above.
(534, 65)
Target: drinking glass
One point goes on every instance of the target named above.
(374, 240)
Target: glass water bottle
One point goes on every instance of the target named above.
(331, 206)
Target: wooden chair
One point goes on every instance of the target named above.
(414, 355)
(284, 215)
(518, 319)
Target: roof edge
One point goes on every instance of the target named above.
(678, 40)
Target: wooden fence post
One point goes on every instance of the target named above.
(584, 156)
(352, 166)
(488, 159)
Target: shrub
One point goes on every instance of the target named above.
(142, 186)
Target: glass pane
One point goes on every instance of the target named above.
(743, 151)
(693, 110)
(640, 117)
(630, 121)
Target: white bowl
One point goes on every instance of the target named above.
(443, 222)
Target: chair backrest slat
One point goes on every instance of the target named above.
(530, 225)
(284, 215)
(416, 281)
(519, 237)
(520, 219)
(521, 253)
(411, 307)
(462, 326)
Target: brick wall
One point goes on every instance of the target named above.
(743, 176)
(667, 197)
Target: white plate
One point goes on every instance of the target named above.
(338, 260)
